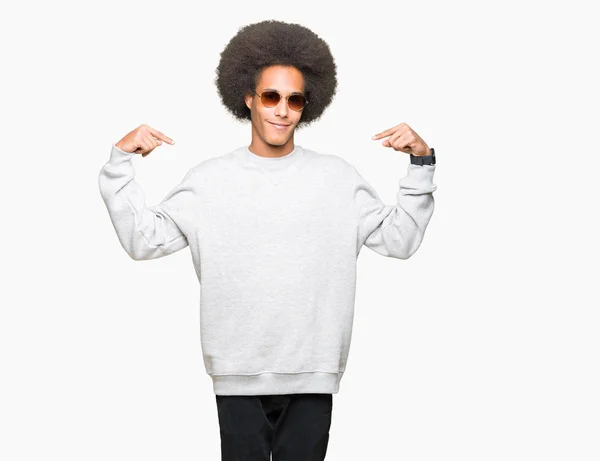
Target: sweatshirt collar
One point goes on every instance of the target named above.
(276, 169)
(270, 160)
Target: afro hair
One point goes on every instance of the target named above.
(267, 43)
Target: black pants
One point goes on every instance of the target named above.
(295, 427)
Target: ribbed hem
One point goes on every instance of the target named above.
(277, 383)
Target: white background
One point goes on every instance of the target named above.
(482, 346)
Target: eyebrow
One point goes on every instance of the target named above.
(273, 89)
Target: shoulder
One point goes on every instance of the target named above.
(330, 161)
(212, 166)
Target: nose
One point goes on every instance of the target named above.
(282, 108)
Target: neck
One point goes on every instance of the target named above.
(262, 148)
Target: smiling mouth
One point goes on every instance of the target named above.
(279, 125)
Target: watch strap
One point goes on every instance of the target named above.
(423, 159)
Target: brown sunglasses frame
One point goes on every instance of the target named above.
(286, 98)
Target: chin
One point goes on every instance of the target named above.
(277, 143)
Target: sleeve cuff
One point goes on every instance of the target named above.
(119, 156)
(419, 178)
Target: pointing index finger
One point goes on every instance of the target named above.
(387, 132)
(160, 136)
(383, 134)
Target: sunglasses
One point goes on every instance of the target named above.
(270, 98)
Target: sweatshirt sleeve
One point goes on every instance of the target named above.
(395, 231)
(144, 232)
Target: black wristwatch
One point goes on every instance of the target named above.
(423, 159)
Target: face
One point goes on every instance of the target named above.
(267, 138)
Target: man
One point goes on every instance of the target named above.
(275, 230)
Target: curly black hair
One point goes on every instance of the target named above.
(267, 43)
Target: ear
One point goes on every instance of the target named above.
(248, 100)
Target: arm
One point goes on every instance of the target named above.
(395, 231)
(144, 233)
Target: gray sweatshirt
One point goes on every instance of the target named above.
(274, 242)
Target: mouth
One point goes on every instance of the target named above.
(280, 126)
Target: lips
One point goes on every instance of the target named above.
(280, 125)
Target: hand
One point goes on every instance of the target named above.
(142, 140)
(404, 139)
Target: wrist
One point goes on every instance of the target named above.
(428, 159)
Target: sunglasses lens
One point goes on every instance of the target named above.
(296, 102)
(270, 98)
